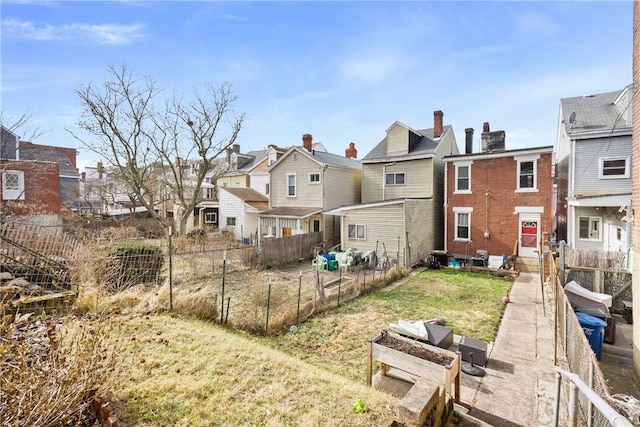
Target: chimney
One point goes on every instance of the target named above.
(437, 123)
(100, 170)
(306, 142)
(469, 140)
(83, 176)
(485, 127)
(236, 148)
(492, 141)
(229, 151)
(351, 152)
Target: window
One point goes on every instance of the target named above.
(395, 178)
(211, 217)
(314, 178)
(614, 167)
(527, 179)
(589, 228)
(462, 224)
(356, 231)
(13, 185)
(463, 178)
(316, 225)
(231, 220)
(291, 185)
(266, 188)
(207, 193)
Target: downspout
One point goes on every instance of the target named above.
(571, 235)
(446, 205)
(384, 179)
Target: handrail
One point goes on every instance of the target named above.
(614, 418)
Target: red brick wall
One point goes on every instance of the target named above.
(495, 212)
(42, 189)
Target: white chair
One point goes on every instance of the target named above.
(346, 266)
(319, 264)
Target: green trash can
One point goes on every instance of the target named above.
(333, 265)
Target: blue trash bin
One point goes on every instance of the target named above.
(594, 330)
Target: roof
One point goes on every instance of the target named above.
(427, 145)
(594, 113)
(498, 154)
(43, 155)
(255, 157)
(250, 196)
(301, 212)
(323, 158)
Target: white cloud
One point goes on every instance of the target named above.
(111, 34)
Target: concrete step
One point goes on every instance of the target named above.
(527, 265)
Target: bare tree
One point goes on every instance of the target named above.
(152, 141)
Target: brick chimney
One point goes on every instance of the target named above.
(351, 152)
(469, 140)
(485, 127)
(229, 151)
(306, 142)
(236, 148)
(437, 123)
(83, 176)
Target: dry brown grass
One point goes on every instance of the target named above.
(48, 367)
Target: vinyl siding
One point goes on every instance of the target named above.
(259, 181)
(307, 195)
(397, 141)
(231, 206)
(587, 166)
(587, 244)
(341, 187)
(237, 181)
(418, 176)
(384, 225)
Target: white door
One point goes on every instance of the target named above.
(529, 238)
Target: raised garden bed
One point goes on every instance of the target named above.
(416, 358)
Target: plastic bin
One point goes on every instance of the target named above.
(332, 265)
(594, 330)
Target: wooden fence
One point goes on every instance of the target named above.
(284, 250)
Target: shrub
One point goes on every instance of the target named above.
(129, 264)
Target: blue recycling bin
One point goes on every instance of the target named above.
(594, 330)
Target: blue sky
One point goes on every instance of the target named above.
(342, 71)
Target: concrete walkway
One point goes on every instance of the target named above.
(518, 388)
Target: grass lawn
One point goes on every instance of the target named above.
(186, 372)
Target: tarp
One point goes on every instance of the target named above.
(575, 288)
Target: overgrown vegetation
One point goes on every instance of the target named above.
(49, 366)
(124, 265)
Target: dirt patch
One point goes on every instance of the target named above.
(414, 350)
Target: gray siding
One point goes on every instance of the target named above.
(371, 182)
(587, 166)
(421, 234)
(587, 244)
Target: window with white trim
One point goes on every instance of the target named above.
(463, 178)
(394, 178)
(462, 224)
(13, 185)
(314, 178)
(590, 228)
(291, 185)
(614, 167)
(527, 175)
(211, 217)
(231, 221)
(356, 231)
(207, 193)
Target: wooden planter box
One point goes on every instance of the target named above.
(448, 375)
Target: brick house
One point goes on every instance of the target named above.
(497, 200)
(30, 192)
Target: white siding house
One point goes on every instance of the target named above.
(239, 209)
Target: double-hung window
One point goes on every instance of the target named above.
(210, 217)
(356, 231)
(590, 228)
(462, 225)
(394, 178)
(291, 185)
(614, 167)
(463, 177)
(527, 176)
(231, 221)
